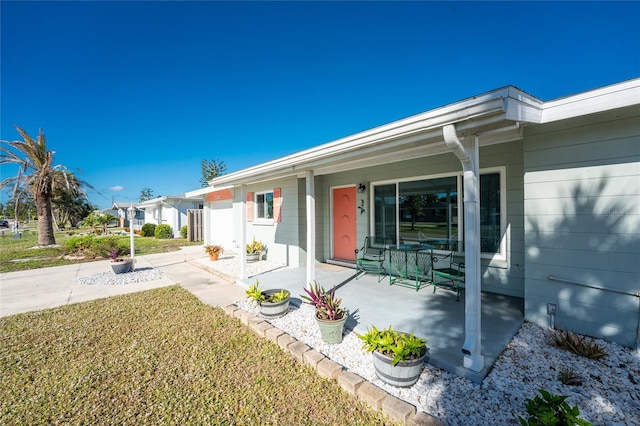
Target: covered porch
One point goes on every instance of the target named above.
(438, 317)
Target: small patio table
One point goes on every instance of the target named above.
(410, 265)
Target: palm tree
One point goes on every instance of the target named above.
(38, 174)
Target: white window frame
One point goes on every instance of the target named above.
(499, 256)
(257, 206)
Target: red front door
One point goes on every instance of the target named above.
(344, 223)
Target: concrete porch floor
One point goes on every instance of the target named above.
(436, 317)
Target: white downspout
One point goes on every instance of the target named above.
(311, 226)
(468, 156)
(243, 232)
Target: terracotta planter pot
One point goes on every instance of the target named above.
(214, 256)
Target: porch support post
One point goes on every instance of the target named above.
(469, 157)
(311, 226)
(243, 232)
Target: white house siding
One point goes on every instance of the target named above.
(582, 206)
(503, 277)
(284, 239)
(172, 212)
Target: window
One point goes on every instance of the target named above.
(430, 211)
(264, 205)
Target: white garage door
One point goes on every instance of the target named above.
(221, 224)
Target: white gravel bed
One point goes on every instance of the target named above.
(609, 394)
(111, 278)
(229, 264)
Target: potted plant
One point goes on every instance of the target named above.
(273, 303)
(397, 357)
(255, 250)
(120, 265)
(214, 251)
(330, 317)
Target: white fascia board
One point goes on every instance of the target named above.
(522, 107)
(206, 190)
(152, 202)
(599, 100)
(470, 113)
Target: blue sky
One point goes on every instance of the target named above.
(136, 94)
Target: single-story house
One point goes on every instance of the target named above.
(542, 198)
(120, 210)
(170, 210)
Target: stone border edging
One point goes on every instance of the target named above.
(378, 399)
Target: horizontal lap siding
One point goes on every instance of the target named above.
(582, 205)
(282, 238)
(501, 277)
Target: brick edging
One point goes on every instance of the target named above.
(377, 398)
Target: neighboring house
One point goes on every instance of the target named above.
(550, 211)
(170, 210)
(120, 210)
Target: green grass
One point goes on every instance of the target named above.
(157, 357)
(19, 254)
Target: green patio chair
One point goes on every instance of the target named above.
(410, 266)
(447, 272)
(370, 259)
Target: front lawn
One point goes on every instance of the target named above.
(18, 254)
(157, 357)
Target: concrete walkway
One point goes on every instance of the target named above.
(37, 289)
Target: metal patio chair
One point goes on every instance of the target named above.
(370, 259)
(448, 272)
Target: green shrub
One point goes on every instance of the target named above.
(148, 230)
(80, 243)
(103, 247)
(183, 231)
(163, 231)
(551, 410)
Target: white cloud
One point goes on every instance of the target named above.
(116, 188)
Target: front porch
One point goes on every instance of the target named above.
(438, 317)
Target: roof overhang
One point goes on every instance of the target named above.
(494, 116)
(606, 98)
(206, 190)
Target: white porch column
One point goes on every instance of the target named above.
(243, 233)
(311, 226)
(469, 157)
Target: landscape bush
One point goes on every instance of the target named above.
(103, 247)
(79, 243)
(148, 230)
(93, 246)
(183, 231)
(163, 231)
(551, 409)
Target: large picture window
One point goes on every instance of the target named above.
(429, 211)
